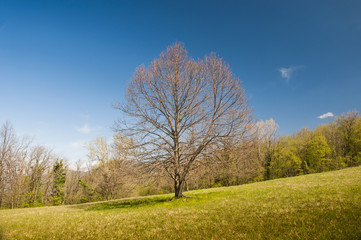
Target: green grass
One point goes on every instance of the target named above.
(317, 206)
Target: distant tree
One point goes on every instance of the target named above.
(298, 141)
(8, 168)
(59, 178)
(335, 141)
(7, 140)
(266, 132)
(317, 154)
(73, 191)
(349, 127)
(180, 109)
(111, 173)
(285, 161)
(40, 161)
(89, 194)
(104, 170)
(14, 153)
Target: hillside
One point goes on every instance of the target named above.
(317, 206)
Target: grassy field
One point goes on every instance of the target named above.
(317, 206)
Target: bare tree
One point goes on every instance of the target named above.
(110, 173)
(40, 162)
(7, 142)
(266, 132)
(13, 156)
(72, 187)
(180, 109)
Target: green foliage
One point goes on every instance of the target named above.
(59, 178)
(29, 202)
(330, 146)
(89, 194)
(349, 127)
(285, 163)
(317, 154)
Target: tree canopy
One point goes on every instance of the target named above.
(181, 109)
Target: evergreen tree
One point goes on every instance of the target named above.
(59, 175)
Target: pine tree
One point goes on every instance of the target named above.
(59, 175)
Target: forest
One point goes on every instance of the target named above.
(32, 175)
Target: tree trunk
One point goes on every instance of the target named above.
(178, 187)
(186, 185)
(1, 197)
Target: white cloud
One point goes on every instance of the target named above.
(286, 73)
(326, 115)
(84, 129)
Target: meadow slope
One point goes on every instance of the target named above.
(316, 206)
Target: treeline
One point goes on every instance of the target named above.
(329, 147)
(262, 156)
(31, 175)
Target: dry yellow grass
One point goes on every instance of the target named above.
(317, 206)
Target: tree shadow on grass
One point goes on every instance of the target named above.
(123, 204)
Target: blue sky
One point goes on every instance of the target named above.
(63, 63)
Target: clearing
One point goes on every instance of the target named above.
(317, 206)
